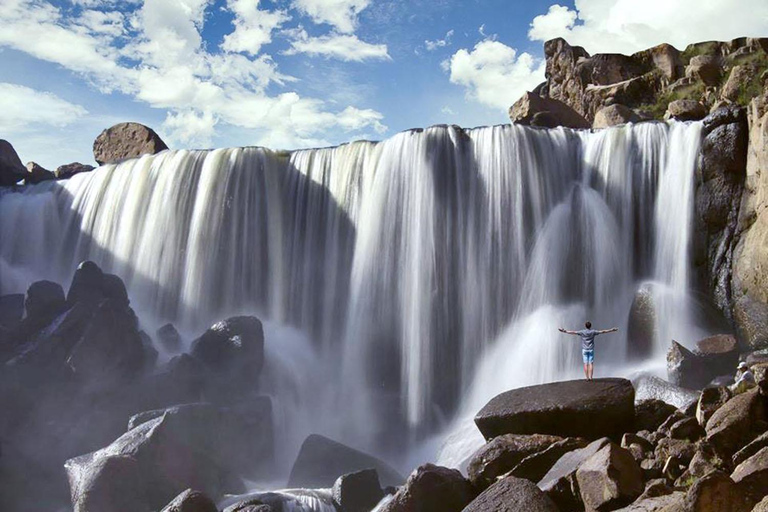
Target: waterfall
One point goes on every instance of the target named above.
(429, 270)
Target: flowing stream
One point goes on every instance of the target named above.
(403, 283)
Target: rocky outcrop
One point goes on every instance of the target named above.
(11, 169)
(432, 488)
(580, 408)
(531, 109)
(37, 174)
(126, 140)
(685, 110)
(713, 357)
(68, 170)
(614, 115)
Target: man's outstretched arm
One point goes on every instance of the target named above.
(615, 329)
(566, 332)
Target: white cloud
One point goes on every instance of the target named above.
(253, 26)
(493, 74)
(338, 46)
(628, 26)
(341, 14)
(448, 111)
(24, 109)
(439, 43)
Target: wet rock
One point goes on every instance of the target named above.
(11, 169)
(251, 506)
(37, 174)
(432, 488)
(126, 140)
(713, 357)
(357, 492)
(66, 171)
(535, 466)
(714, 492)
(191, 501)
(751, 476)
(588, 409)
(169, 338)
(711, 399)
(321, 461)
(614, 115)
(650, 414)
(180, 380)
(110, 484)
(649, 387)
(688, 429)
(512, 494)
(87, 285)
(502, 454)
(685, 110)
(736, 423)
(551, 112)
(560, 482)
(150, 352)
(609, 479)
(44, 301)
(641, 329)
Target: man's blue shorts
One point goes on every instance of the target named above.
(588, 356)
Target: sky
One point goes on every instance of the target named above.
(291, 74)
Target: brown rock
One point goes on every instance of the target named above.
(706, 68)
(715, 492)
(679, 448)
(68, 170)
(614, 115)
(687, 428)
(11, 169)
(126, 140)
(535, 466)
(560, 482)
(557, 113)
(357, 492)
(751, 476)
(655, 488)
(752, 448)
(733, 425)
(650, 414)
(512, 494)
(37, 174)
(672, 469)
(740, 75)
(609, 479)
(685, 110)
(711, 399)
(667, 503)
(432, 488)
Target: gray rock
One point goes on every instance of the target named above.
(191, 501)
(736, 423)
(432, 488)
(668, 503)
(707, 68)
(651, 387)
(37, 174)
(560, 482)
(512, 494)
(713, 357)
(357, 492)
(752, 448)
(588, 409)
(66, 171)
(641, 329)
(126, 140)
(651, 414)
(711, 399)
(535, 466)
(685, 110)
(551, 112)
(609, 479)
(751, 476)
(107, 484)
(169, 338)
(11, 169)
(714, 492)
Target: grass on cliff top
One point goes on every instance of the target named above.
(659, 107)
(691, 51)
(753, 87)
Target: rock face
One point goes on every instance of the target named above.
(126, 140)
(588, 409)
(321, 461)
(432, 488)
(68, 170)
(614, 115)
(11, 168)
(532, 109)
(641, 328)
(609, 479)
(512, 494)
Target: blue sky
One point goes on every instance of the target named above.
(302, 73)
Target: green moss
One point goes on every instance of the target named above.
(758, 62)
(708, 48)
(657, 109)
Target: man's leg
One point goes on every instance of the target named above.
(586, 370)
(591, 370)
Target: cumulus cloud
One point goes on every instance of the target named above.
(253, 26)
(628, 26)
(494, 74)
(439, 43)
(24, 109)
(341, 14)
(338, 46)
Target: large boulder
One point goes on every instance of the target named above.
(66, 171)
(580, 408)
(502, 454)
(751, 476)
(650, 414)
(752, 448)
(609, 479)
(685, 110)
(711, 399)
(614, 115)
(707, 68)
(532, 109)
(535, 466)
(560, 482)
(713, 357)
(191, 501)
(44, 302)
(650, 387)
(11, 169)
(737, 422)
(169, 338)
(512, 494)
(667, 503)
(432, 488)
(37, 174)
(321, 461)
(357, 492)
(714, 492)
(126, 140)
(197, 445)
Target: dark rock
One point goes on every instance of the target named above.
(126, 140)
(667, 503)
(629, 439)
(706, 68)
(502, 454)
(169, 338)
(687, 428)
(752, 448)
(665, 427)
(652, 468)
(609, 479)
(11, 309)
(150, 352)
(680, 448)
(650, 387)
(714, 356)
(66, 171)
(11, 169)
(180, 380)
(588, 409)
(114, 289)
(110, 484)
(655, 488)
(751, 476)
(251, 506)
(551, 112)
(191, 501)
(560, 482)
(44, 301)
(711, 399)
(650, 414)
(357, 492)
(714, 492)
(685, 110)
(37, 174)
(614, 115)
(641, 328)
(87, 285)
(432, 488)
(512, 494)
(762, 506)
(672, 469)
(736, 423)
(535, 466)
(321, 461)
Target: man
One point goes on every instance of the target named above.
(745, 379)
(588, 345)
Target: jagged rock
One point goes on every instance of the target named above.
(44, 302)
(532, 109)
(512, 494)
(739, 76)
(90, 285)
(535, 466)
(685, 110)
(66, 171)
(432, 488)
(126, 140)
(734, 424)
(676, 416)
(713, 357)
(711, 399)
(752, 448)
(614, 115)
(650, 414)
(37, 174)
(687, 429)
(502, 454)
(650, 387)
(706, 68)
(751, 476)
(715, 492)
(704, 461)
(191, 501)
(655, 488)
(588, 409)
(321, 461)
(628, 440)
(169, 338)
(250, 506)
(609, 479)
(641, 328)
(11, 169)
(357, 492)
(560, 482)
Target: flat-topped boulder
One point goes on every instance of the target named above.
(578, 408)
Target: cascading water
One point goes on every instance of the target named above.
(430, 271)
